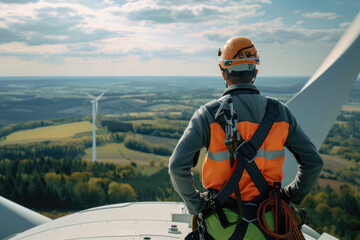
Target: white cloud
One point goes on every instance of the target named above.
(17, 1)
(344, 25)
(275, 31)
(116, 33)
(147, 11)
(21, 48)
(320, 15)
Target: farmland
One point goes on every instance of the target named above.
(119, 154)
(48, 133)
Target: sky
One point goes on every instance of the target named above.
(165, 37)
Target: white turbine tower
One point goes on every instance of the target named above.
(94, 102)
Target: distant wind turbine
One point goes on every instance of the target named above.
(94, 101)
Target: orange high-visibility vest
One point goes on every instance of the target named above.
(269, 159)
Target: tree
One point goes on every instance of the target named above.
(89, 194)
(81, 176)
(126, 172)
(121, 192)
(151, 162)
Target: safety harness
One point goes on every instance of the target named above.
(245, 151)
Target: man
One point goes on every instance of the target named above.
(244, 107)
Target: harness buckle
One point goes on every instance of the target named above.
(232, 133)
(247, 150)
(214, 204)
(228, 131)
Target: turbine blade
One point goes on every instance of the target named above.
(100, 96)
(91, 96)
(318, 103)
(15, 218)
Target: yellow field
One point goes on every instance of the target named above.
(118, 153)
(48, 133)
(351, 107)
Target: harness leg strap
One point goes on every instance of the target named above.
(240, 231)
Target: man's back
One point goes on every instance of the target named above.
(204, 131)
(238, 60)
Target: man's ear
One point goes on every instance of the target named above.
(222, 72)
(256, 72)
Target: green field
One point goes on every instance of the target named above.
(142, 121)
(164, 107)
(118, 153)
(48, 133)
(169, 142)
(333, 162)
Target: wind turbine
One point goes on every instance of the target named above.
(94, 102)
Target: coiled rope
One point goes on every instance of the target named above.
(289, 228)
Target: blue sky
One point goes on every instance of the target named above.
(165, 37)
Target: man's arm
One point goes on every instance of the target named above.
(184, 157)
(309, 159)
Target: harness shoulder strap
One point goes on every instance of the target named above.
(214, 106)
(272, 111)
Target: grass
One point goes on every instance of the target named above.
(335, 184)
(141, 114)
(169, 142)
(332, 162)
(118, 153)
(48, 133)
(164, 107)
(138, 122)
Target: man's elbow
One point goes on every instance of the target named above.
(319, 163)
(172, 166)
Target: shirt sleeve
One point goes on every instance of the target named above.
(308, 157)
(184, 157)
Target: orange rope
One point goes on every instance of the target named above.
(292, 232)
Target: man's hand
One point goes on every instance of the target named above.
(205, 195)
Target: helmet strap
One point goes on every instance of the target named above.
(227, 73)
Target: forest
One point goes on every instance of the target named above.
(68, 184)
(343, 139)
(334, 211)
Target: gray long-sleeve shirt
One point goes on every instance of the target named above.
(249, 107)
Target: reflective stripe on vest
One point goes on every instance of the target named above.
(270, 158)
(222, 156)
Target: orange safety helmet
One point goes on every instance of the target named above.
(238, 50)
